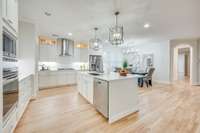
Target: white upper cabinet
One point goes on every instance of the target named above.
(10, 14)
(48, 53)
(4, 9)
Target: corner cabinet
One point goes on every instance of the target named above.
(10, 14)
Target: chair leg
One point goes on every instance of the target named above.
(150, 82)
(147, 84)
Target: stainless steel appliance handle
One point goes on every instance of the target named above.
(7, 81)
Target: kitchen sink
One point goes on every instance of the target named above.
(94, 73)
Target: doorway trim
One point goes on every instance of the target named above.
(193, 44)
(175, 60)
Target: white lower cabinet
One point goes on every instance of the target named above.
(85, 86)
(11, 123)
(25, 93)
(56, 78)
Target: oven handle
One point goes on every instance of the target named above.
(5, 82)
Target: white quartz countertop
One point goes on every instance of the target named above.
(111, 76)
(115, 76)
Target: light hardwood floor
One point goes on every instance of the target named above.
(163, 109)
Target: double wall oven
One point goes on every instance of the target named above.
(10, 73)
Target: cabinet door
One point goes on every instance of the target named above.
(79, 82)
(90, 90)
(61, 79)
(43, 52)
(4, 9)
(52, 52)
(52, 81)
(12, 14)
(84, 87)
(42, 81)
(48, 53)
(71, 77)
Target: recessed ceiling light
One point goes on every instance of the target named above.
(69, 34)
(47, 14)
(147, 25)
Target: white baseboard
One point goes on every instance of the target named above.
(195, 84)
(122, 115)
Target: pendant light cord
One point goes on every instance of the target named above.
(116, 17)
(95, 33)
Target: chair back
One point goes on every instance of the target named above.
(150, 72)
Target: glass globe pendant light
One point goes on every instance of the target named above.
(95, 43)
(116, 35)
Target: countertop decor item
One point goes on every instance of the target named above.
(124, 71)
(116, 34)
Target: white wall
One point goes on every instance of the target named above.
(112, 57)
(160, 51)
(27, 49)
(28, 52)
(1, 87)
(181, 65)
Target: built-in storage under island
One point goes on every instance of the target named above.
(114, 96)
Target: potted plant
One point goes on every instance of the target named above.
(124, 71)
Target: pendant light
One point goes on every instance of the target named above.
(116, 35)
(95, 43)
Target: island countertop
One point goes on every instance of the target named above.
(115, 76)
(111, 76)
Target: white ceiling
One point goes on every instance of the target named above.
(169, 19)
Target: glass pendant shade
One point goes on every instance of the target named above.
(95, 43)
(116, 36)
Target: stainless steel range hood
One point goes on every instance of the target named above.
(67, 47)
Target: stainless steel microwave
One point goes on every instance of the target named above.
(9, 45)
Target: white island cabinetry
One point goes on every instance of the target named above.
(85, 85)
(113, 95)
(122, 92)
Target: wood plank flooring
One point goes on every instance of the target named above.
(163, 109)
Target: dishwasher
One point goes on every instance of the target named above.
(101, 96)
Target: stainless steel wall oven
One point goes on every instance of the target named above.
(10, 74)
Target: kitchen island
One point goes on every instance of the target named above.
(114, 96)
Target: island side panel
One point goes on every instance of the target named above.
(123, 98)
